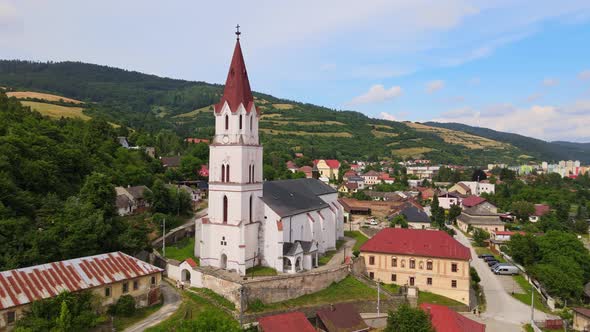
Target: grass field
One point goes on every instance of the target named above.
(209, 294)
(381, 134)
(56, 111)
(458, 138)
(526, 297)
(358, 236)
(304, 133)
(43, 96)
(349, 289)
(181, 250)
(193, 113)
(260, 271)
(329, 254)
(411, 152)
(427, 297)
(283, 106)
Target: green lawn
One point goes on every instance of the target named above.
(526, 297)
(427, 297)
(486, 250)
(190, 308)
(329, 254)
(358, 236)
(392, 288)
(260, 271)
(181, 250)
(349, 289)
(121, 323)
(209, 294)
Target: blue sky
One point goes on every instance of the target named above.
(518, 66)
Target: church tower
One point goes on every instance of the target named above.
(229, 236)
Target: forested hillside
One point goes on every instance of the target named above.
(150, 104)
(543, 150)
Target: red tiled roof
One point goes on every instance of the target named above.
(446, 320)
(237, 86)
(508, 233)
(418, 242)
(291, 165)
(287, 322)
(342, 317)
(196, 140)
(371, 173)
(352, 185)
(583, 311)
(541, 210)
(191, 262)
(472, 201)
(332, 163)
(25, 285)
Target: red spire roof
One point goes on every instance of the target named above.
(237, 87)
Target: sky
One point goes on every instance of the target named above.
(515, 66)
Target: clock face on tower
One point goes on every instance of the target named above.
(225, 139)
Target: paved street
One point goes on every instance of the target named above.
(172, 301)
(501, 307)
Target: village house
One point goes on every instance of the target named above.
(291, 166)
(288, 322)
(371, 178)
(348, 188)
(170, 162)
(426, 193)
(432, 261)
(483, 216)
(360, 181)
(581, 319)
(348, 174)
(340, 317)
(307, 170)
(386, 178)
(131, 199)
(108, 276)
(444, 319)
(416, 217)
(448, 199)
(328, 167)
(475, 188)
(423, 172)
(461, 189)
(540, 210)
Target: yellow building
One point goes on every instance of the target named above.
(328, 168)
(432, 261)
(108, 276)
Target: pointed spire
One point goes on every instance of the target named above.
(237, 87)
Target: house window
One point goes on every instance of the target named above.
(107, 292)
(135, 284)
(454, 283)
(393, 277)
(153, 280)
(125, 287)
(223, 241)
(454, 267)
(226, 122)
(429, 281)
(222, 173)
(225, 209)
(394, 262)
(412, 264)
(10, 317)
(371, 275)
(429, 265)
(240, 121)
(403, 263)
(371, 260)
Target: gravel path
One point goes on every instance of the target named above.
(172, 302)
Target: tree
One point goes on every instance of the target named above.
(478, 175)
(454, 212)
(480, 236)
(100, 192)
(64, 321)
(438, 213)
(523, 210)
(159, 198)
(400, 219)
(408, 319)
(523, 249)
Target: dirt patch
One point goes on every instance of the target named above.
(283, 106)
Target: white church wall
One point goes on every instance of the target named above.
(273, 240)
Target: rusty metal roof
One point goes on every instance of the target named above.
(25, 285)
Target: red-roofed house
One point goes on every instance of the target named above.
(444, 319)
(197, 140)
(287, 322)
(472, 201)
(384, 176)
(108, 276)
(371, 178)
(349, 173)
(308, 170)
(540, 210)
(426, 193)
(291, 166)
(433, 261)
(328, 167)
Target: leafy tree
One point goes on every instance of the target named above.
(64, 312)
(523, 249)
(400, 220)
(125, 306)
(522, 210)
(100, 192)
(480, 236)
(507, 175)
(64, 321)
(454, 212)
(478, 175)
(438, 213)
(408, 319)
(159, 197)
(361, 196)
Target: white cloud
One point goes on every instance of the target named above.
(377, 93)
(434, 86)
(550, 82)
(540, 121)
(584, 75)
(387, 116)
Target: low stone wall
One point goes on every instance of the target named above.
(175, 235)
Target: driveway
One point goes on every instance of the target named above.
(500, 305)
(172, 302)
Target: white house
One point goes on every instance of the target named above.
(446, 200)
(281, 224)
(478, 188)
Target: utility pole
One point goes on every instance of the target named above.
(378, 298)
(164, 238)
(532, 304)
(242, 306)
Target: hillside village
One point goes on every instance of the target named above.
(123, 229)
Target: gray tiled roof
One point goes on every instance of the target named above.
(290, 197)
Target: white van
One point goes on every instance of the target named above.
(506, 270)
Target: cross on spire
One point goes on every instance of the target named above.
(238, 33)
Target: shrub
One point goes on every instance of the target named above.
(125, 306)
(356, 253)
(256, 305)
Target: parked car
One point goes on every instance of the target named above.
(373, 222)
(507, 270)
(498, 265)
(492, 263)
(485, 255)
(489, 258)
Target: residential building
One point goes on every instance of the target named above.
(540, 210)
(430, 260)
(461, 189)
(307, 170)
(479, 202)
(197, 140)
(581, 319)
(284, 224)
(480, 217)
(328, 167)
(348, 188)
(170, 162)
(123, 142)
(291, 166)
(448, 199)
(416, 217)
(371, 178)
(348, 174)
(423, 172)
(386, 178)
(475, 188)
(108, 276)
(288, 322)
(426, 193)
(444, 319)
(360, 181)
(133, 201)
(340, 317)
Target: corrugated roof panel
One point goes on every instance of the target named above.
(22, 286)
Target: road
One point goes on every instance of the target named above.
(500, 306)
(172, 302)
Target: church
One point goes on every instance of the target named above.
(285, 224)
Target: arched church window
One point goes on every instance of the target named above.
(240, 121)
(222, 173)
(226, 173)
(226, 122)
(253, 178)
(225, 209)
(251, 116)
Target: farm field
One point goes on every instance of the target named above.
(43, 96)
(56, 111)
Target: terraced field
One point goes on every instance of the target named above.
(460, 138)
(304, 133)
(42, 96)
(56, 111)
(411, 152)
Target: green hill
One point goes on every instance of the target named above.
(151, 103)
